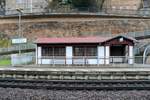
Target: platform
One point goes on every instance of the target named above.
(101, 68)
(109, 72)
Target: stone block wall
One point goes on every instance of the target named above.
(32, 30)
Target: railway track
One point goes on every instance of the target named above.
(77, 84)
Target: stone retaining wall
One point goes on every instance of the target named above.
(64, 28)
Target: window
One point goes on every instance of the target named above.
(19, 1)
(91, 51)
(53, 51)
(59, 51)
(85, 51)
(24, 3)
(79, 51)
(47, 51)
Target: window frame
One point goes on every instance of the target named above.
(85, 51)
(53, 51)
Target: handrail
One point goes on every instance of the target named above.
(140, 47)
(135, 34)
(17, 47)
(84, 60)
(80, 10)
(77, 60)
(145, 53)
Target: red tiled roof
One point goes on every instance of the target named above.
(72, 40)
(68, 40)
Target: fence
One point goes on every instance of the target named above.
(76, 60)
(24, 59)
(79, 10)
(88, 60)
(15, 59)
(16, 48)
(137, 34)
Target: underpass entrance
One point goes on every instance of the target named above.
(118, 54)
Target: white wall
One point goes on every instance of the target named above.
(92, 61)
(107, 54)
(69, 54)
(39, 55)
(101, 54)
(36, 54)
(52, 61)
(25, 58)
(131, 55)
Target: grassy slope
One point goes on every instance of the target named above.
(5, 62)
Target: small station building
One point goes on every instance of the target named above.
(85, 50)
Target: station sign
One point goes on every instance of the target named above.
(19, 41)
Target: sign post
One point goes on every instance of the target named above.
(19, 41)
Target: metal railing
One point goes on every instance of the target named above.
(88, 60)
(31, 60)
(15, 48)
(80, 10)
(137, 34)
(140, 47)
(92, 60)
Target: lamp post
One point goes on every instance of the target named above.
(19, 29)
(31, 4)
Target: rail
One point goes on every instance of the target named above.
(84, 60)
(79, 10)
(30, 60)
(146, 53)
(140, 47)
(139, 35)
(77, 84)
(18, 60)
(16, 48)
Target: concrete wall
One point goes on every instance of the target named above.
(28, 6)
(21, 59)
(123, 4)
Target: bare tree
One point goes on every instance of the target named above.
(2, 6)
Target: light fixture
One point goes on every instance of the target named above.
(121, 39)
